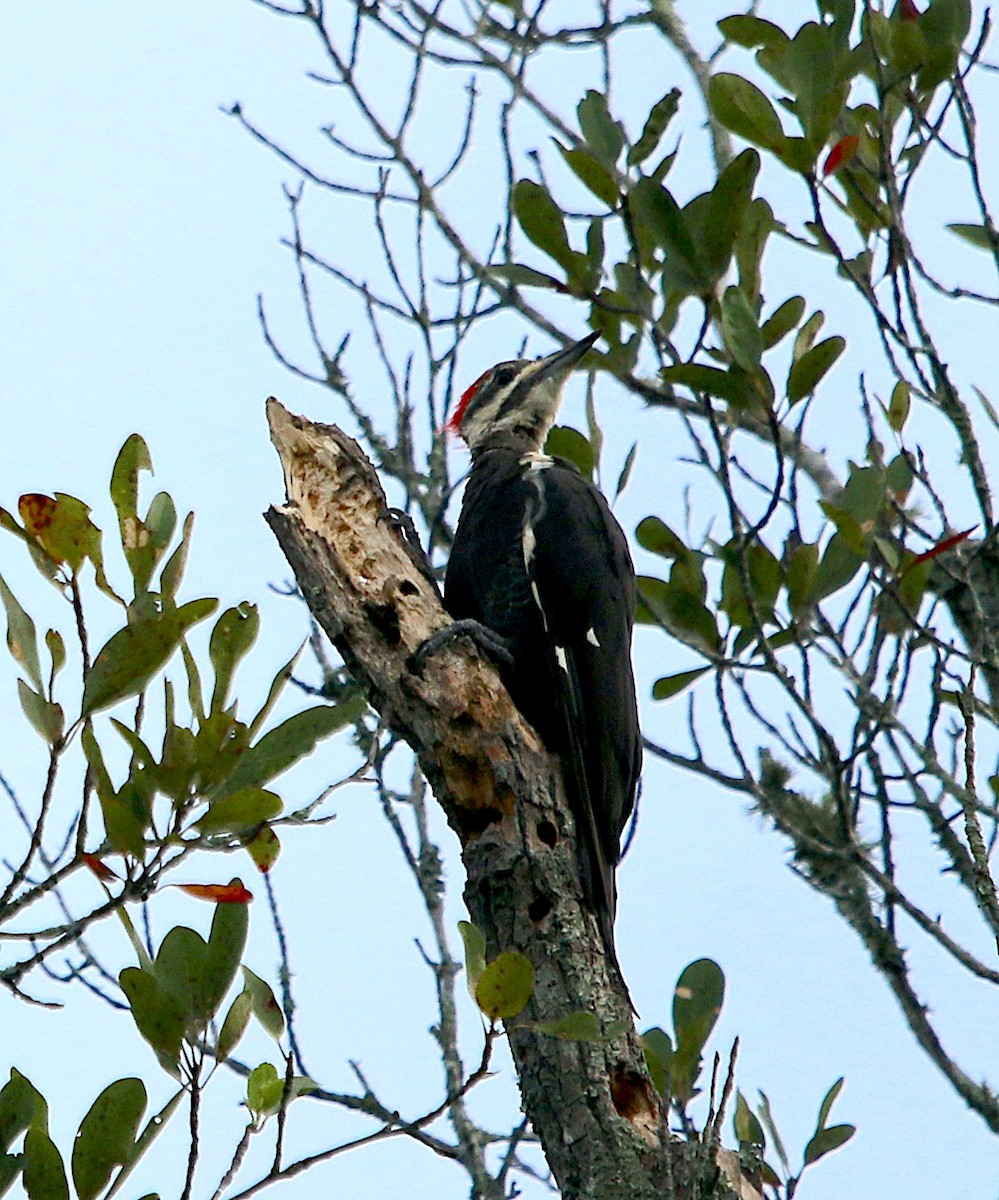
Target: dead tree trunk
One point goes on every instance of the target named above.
(592, 1105)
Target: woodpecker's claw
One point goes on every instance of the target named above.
(485, 639)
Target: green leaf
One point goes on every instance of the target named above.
(828, 1100)
(10, 1168)
(154, 1127)
(697, 1002)
(541, 220)
(655, 535)
(898, 407)
(234, 1025)
(264, 1090)
(801, 571)
(137, 540)
(240, 811)
(581, 1027)
(264, 1003)
(291, 741)
(57, 650)
(161, 521)
(475, 954)
(750, 32)
(771, 1126)
(173, 569)
(662, 112)
(234, 634)
(106, 1138)
(45, 716)
(126, 819)
(764, 574)
(725, 218)
(22, 1106)
(827, 1140)
(519, 275)
(740, 330)
(602, 134)
(748, 1130)
(140, 751)
(807, 334)
(807, 372)
(658, 1048)
(132, 458)
(672, 685)
(741, 107)
(226, 942)
(710, 380)
(813, 66)
(899, 477)
(157, 1015)
(864, 494)
(838, 566)
(126, 663)
(674, 607)
(592, 174)
(947, 22)
(565, 442)
(782, 321)
(751, 238)
(983, 237)
(659, 218)
(181, 971)
(629, 462)
(278, 684)
(264, 848)
(505, 986)
(848, 527)
(986, 403)
(22, 641)
(44, 1175)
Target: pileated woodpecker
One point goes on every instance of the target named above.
(540, 561)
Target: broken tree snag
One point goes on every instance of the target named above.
(501, 791)
(364, 586)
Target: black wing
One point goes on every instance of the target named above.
(585, 587)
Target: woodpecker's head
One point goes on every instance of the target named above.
(516, 402)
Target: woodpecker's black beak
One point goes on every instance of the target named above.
(562, 361)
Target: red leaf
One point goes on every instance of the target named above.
(217, 893)
(841, 153)
(942, 547)
(102, 871)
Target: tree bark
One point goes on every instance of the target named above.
(592, 1105)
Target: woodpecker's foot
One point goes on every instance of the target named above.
(402, 523)
(485, 639)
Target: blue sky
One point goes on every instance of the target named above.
(138, 226)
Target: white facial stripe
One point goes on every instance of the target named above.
(591, 637)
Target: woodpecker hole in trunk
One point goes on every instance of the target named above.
(539, 908)
(386, 620)
(547, 833)
(632, 1095)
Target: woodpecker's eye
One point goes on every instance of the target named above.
(505, 375)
